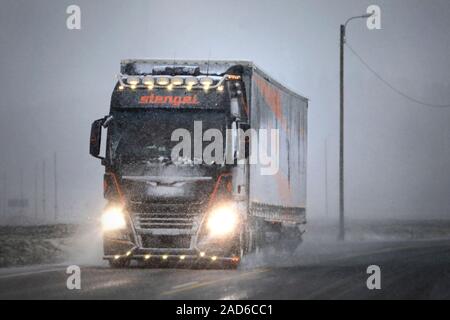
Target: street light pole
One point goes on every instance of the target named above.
(341, 139)
(341, 127)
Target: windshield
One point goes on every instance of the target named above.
(145, 135)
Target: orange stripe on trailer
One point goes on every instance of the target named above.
(283, 187)
(273, 99)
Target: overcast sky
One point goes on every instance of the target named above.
(54, 82)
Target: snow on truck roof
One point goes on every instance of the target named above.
(203, 67)
(212, 67)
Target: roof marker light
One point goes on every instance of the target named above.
(233, 77)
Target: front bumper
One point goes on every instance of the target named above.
(170, 232)
(175, 258)
(120, 249)
(166, 258)
(116, 247)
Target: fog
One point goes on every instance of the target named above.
(54, 82)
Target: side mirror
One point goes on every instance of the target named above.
(96, 138)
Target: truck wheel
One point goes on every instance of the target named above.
(240, 250)
(243, 244)
(120, 263)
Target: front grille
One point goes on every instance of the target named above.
(166, 225)
(166, 242)
(164, 221)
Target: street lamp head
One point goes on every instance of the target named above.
(368, 15)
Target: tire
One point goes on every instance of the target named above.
(257, 235)
(282, 238)
(290, 239)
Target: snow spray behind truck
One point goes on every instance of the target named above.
(205, 161)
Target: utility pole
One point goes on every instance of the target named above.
(341, 138)
(4, 196)
(5, 188)
(326, 177)
(56, 186)
(44, 195)
(22, 200)
(341, 126)
(36, 193)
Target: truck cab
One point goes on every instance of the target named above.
(177, 173)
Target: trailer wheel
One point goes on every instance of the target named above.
(291, 238)
(120, 263)
(258, 240)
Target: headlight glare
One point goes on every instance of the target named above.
(113, 219)
(222, 221)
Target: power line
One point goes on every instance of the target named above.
(401, 93)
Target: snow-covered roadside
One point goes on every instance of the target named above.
(33, 245)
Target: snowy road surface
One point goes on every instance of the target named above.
(409, 270)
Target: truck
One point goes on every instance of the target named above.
(205, 162)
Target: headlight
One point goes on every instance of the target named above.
(222, 221)
(113, 219)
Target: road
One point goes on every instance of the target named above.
(409, 270)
